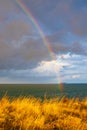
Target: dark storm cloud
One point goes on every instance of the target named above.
(15, 30)
(60, 45)
(69, 15)
(25, 55)
(6, 8)
(34, 49)
(20, 47)
(31, 52)
(74, 48)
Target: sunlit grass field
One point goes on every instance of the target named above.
(30, 113)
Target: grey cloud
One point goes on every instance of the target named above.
(59, 45)
(78, 23)
(34, 50)
(15, 30)
(6, 7)
(74, 69)
(78, 48)
(26, 55)
(31, 51)
(69, 15)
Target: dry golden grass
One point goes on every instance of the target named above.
(50, 114)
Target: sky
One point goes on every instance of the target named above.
(43, 41)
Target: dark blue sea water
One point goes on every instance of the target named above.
(42, 90)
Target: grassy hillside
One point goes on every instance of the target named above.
(50, 114)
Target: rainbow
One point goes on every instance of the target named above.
(45, 40)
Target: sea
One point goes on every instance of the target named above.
(43, 90)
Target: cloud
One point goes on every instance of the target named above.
(19, 41)
(68, 67)
(23, 53)
(20, 55)
(69, 15)
(50, 68)
(7, 7)
(15, 30)
(65, 65)
(75, 76)
(20, 44)
(60, 46)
